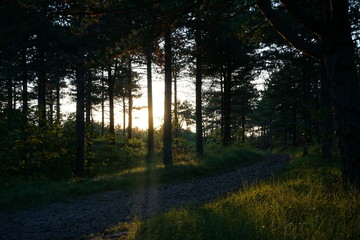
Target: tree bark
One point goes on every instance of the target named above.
(124, 115)
(25, 105)
(294, 127)
(51, 106)
(227, 107)
(88, 98)
(150, 142)
(130, 98)
(346, 98)
(80, 125)
(326, 121)
(243, 124)
(176, 118)
(111, 83)
(222, 77)
(167, 103)
(58, 96)
(88, 121)
(198, 114)
(9, 88)
(102, 103)
(41, 74)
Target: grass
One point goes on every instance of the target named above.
(303, 201)
(114, 172)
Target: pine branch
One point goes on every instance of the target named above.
(309, 21)
(310, 49)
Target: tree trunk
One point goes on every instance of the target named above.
(124, 115)
(167, 103)
(198, 114)
(111, 83)
(9, 88)
(25, 105)
(243, 125)
(227, 107)
(326, 121)
(51, 106)
(345, 91)
(41, 84)
(222, 77)
(150, 142)
(102, 103)
(130, 98)
(88, 121)
(305, 110)
(80, 126)
(176, 118)
(294, 129)
(341, 71)
(58, 96)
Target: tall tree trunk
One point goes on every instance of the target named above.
(227, 106)
(305, 111)
(294, 128)
(41, 74)
(222, 117)
(80, 125)
(88, 121)
(176, 118)
(88, 98)
(130, 98)
(58, 96)
(243, 125)
(9, 88)
(167, 103)
(25, 105)
(340, 65)
(326, 121)
(150, 142)
(124, 115)
(198, 114)
(102, 103)
(111, 83)
(51, 106)
(346, 97)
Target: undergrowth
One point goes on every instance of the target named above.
(115, 171)
(306, 200)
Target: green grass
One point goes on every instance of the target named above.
(303, 201)
(113, 171)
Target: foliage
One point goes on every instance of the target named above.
(135, 148)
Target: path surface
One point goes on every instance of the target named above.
(94, 213)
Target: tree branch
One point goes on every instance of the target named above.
(305, 18)
(310, 49)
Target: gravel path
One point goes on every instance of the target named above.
(95, 213)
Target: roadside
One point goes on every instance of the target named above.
(94, 213)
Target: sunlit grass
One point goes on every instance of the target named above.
(304, 201)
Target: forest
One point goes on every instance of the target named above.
(240, 80)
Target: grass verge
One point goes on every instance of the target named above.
(19, 194)
(303, 201)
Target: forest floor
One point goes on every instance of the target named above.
(91, 214)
